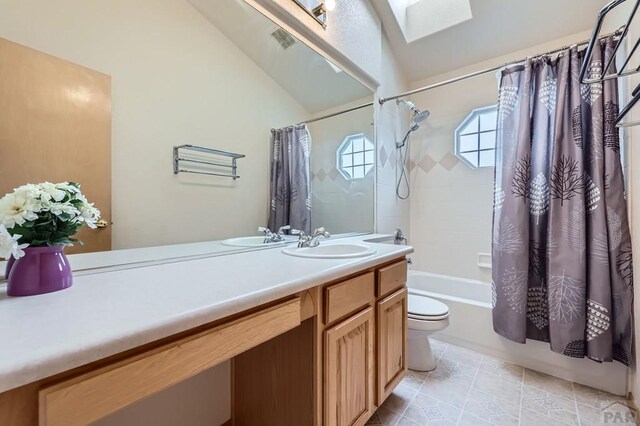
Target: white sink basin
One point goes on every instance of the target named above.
(331, 251)
(257, 242)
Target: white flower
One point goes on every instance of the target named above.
(9, 244)
(17, 208)
(51, 192)
(63, 208)
(88, 213)
(67, 187)
(29, 190)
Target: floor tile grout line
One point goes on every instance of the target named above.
(422, 384)
(454, 365)
(522, 377)
(575, 402)
(466, 400)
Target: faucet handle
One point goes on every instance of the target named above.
(283, 228)
(298, 232)
(321, 231)
(303, 240)
(398, 237)
(264, 230)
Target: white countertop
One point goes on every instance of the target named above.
(103, 314)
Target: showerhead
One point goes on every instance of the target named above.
(418, 116)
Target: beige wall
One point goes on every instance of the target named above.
(339, 204)
(176, 79)
(451, 203)
(203, 400)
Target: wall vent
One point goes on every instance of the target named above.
(284, 39)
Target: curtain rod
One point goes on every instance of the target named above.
(487, 70)
(368, 104)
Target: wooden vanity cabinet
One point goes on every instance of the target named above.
(392, 342)
(329, 355)
(349, 370)
(365, 354)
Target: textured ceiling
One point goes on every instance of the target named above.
(498, 27)
(307, 76)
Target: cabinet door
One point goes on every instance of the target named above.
(392, 342)
(349, 371)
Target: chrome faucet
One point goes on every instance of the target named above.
(399, 238)
(312, 240)
(271, 237)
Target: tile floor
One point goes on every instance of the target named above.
(471, 389)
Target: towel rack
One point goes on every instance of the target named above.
(179, 159)
(604, 73)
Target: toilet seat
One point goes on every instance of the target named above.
(424, 308)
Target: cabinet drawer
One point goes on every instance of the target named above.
(391, 278)
(348, 297)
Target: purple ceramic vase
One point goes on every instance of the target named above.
(41, 270)
(10, 263)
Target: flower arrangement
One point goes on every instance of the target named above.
(43, 215)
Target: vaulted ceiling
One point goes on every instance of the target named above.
(496, 28)
(310, 79)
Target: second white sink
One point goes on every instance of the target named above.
(331, 251)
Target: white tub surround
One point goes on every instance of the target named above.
(107, 313)
(471, 326)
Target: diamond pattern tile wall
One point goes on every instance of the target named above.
(449, 161)
(427, 163)
(384, 157)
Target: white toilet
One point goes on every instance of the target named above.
(426, 316)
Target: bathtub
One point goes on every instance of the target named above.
(470, 326)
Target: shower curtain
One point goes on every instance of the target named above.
(561, 249)
(290, 178)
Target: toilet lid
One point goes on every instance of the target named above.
(426, 307)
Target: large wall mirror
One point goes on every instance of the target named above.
(101, 92)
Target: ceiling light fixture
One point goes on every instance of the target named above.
(319, 13)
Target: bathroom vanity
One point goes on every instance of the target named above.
(311, 341)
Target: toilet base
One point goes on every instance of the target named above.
(420, 357)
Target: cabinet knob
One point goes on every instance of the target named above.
(101, 224)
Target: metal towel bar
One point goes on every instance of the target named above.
(604, 74)
(178, 160)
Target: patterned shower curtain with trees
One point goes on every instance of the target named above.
(562, 268)
(290, 183)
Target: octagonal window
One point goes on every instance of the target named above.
(355, 156)
(476, 137)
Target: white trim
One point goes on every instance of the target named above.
(476, 113)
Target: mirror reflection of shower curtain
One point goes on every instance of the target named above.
(290, 178)
(562, 266)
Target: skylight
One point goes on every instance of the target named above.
(421, 18)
